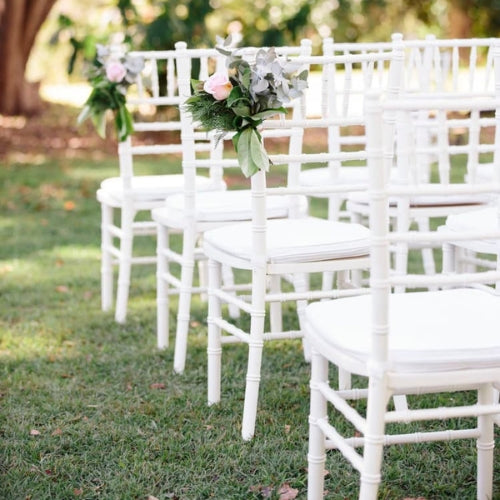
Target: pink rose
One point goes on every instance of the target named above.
(218, 85)
(115, 71)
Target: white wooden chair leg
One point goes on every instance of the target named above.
(401, 262)
(255, 347)
(316, 456)
(496, 397)
(106, 258)
(485, 446)
(125, 265)
(184, 307)
(275, 309)
(228, 280)
(374, 440)
(427, 253)
(162, 297)
(252, 381)
(344, 379)
(203, 278)
(327, 281)
(214, 349)
(301, 284)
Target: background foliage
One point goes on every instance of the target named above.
(158, 24)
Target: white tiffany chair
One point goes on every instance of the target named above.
(441, 68)
(156, 133)
(271, 249)
(193, 213)
(403, 343)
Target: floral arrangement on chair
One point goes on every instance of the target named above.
(112, 73)
(241, 99)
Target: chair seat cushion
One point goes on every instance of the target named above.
(483, 219)
(152, 187)
(226, 206)
(427, 200)
(304, 239)
(474, 220)
(428, 331)
(322, 176)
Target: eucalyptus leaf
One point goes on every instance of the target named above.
(258, 152)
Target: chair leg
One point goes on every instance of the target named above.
(162, 296)
(125, 264)
(106, 257)
(374, 439)
(427, 253)
(214, 349)
(228, 280)
(255, 347)
(316, 456)
(301, 285)
(252, 383)
(275, 309)
(184, 307)
(485, 446)
(203, 278)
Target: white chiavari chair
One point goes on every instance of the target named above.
(274, 248)
(156, 133)
(417, 342)
(192, 213)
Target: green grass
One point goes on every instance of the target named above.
(91, 409)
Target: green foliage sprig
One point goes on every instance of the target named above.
(112, 73)
(241, 99)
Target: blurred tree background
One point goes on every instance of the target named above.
(71, 29)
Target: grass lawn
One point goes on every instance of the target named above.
(91, 409)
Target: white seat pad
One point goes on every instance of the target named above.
(152, 187)
(484, 219)
(322, 176)
(427, 200)
(304, 239)
(437, 331)
(228, 206)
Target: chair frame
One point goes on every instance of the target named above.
(384, 376)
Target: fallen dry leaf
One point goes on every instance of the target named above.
(151, 497)
(34, 432)
(62, 289)
(158, 385)
(57, 432)
(77, 492)
(286, 492)
(69, 205)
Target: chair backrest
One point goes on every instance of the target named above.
(193, 162)
(155, 102)
(449, 65)
(381, 137)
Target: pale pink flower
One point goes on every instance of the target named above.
(218, 85)
(115, 71)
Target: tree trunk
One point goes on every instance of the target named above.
(20, 22)
(459, 20)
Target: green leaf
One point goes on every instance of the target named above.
(84, 114)
(124, 123)
(99, 120)
(252, 156)
(258, 152)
